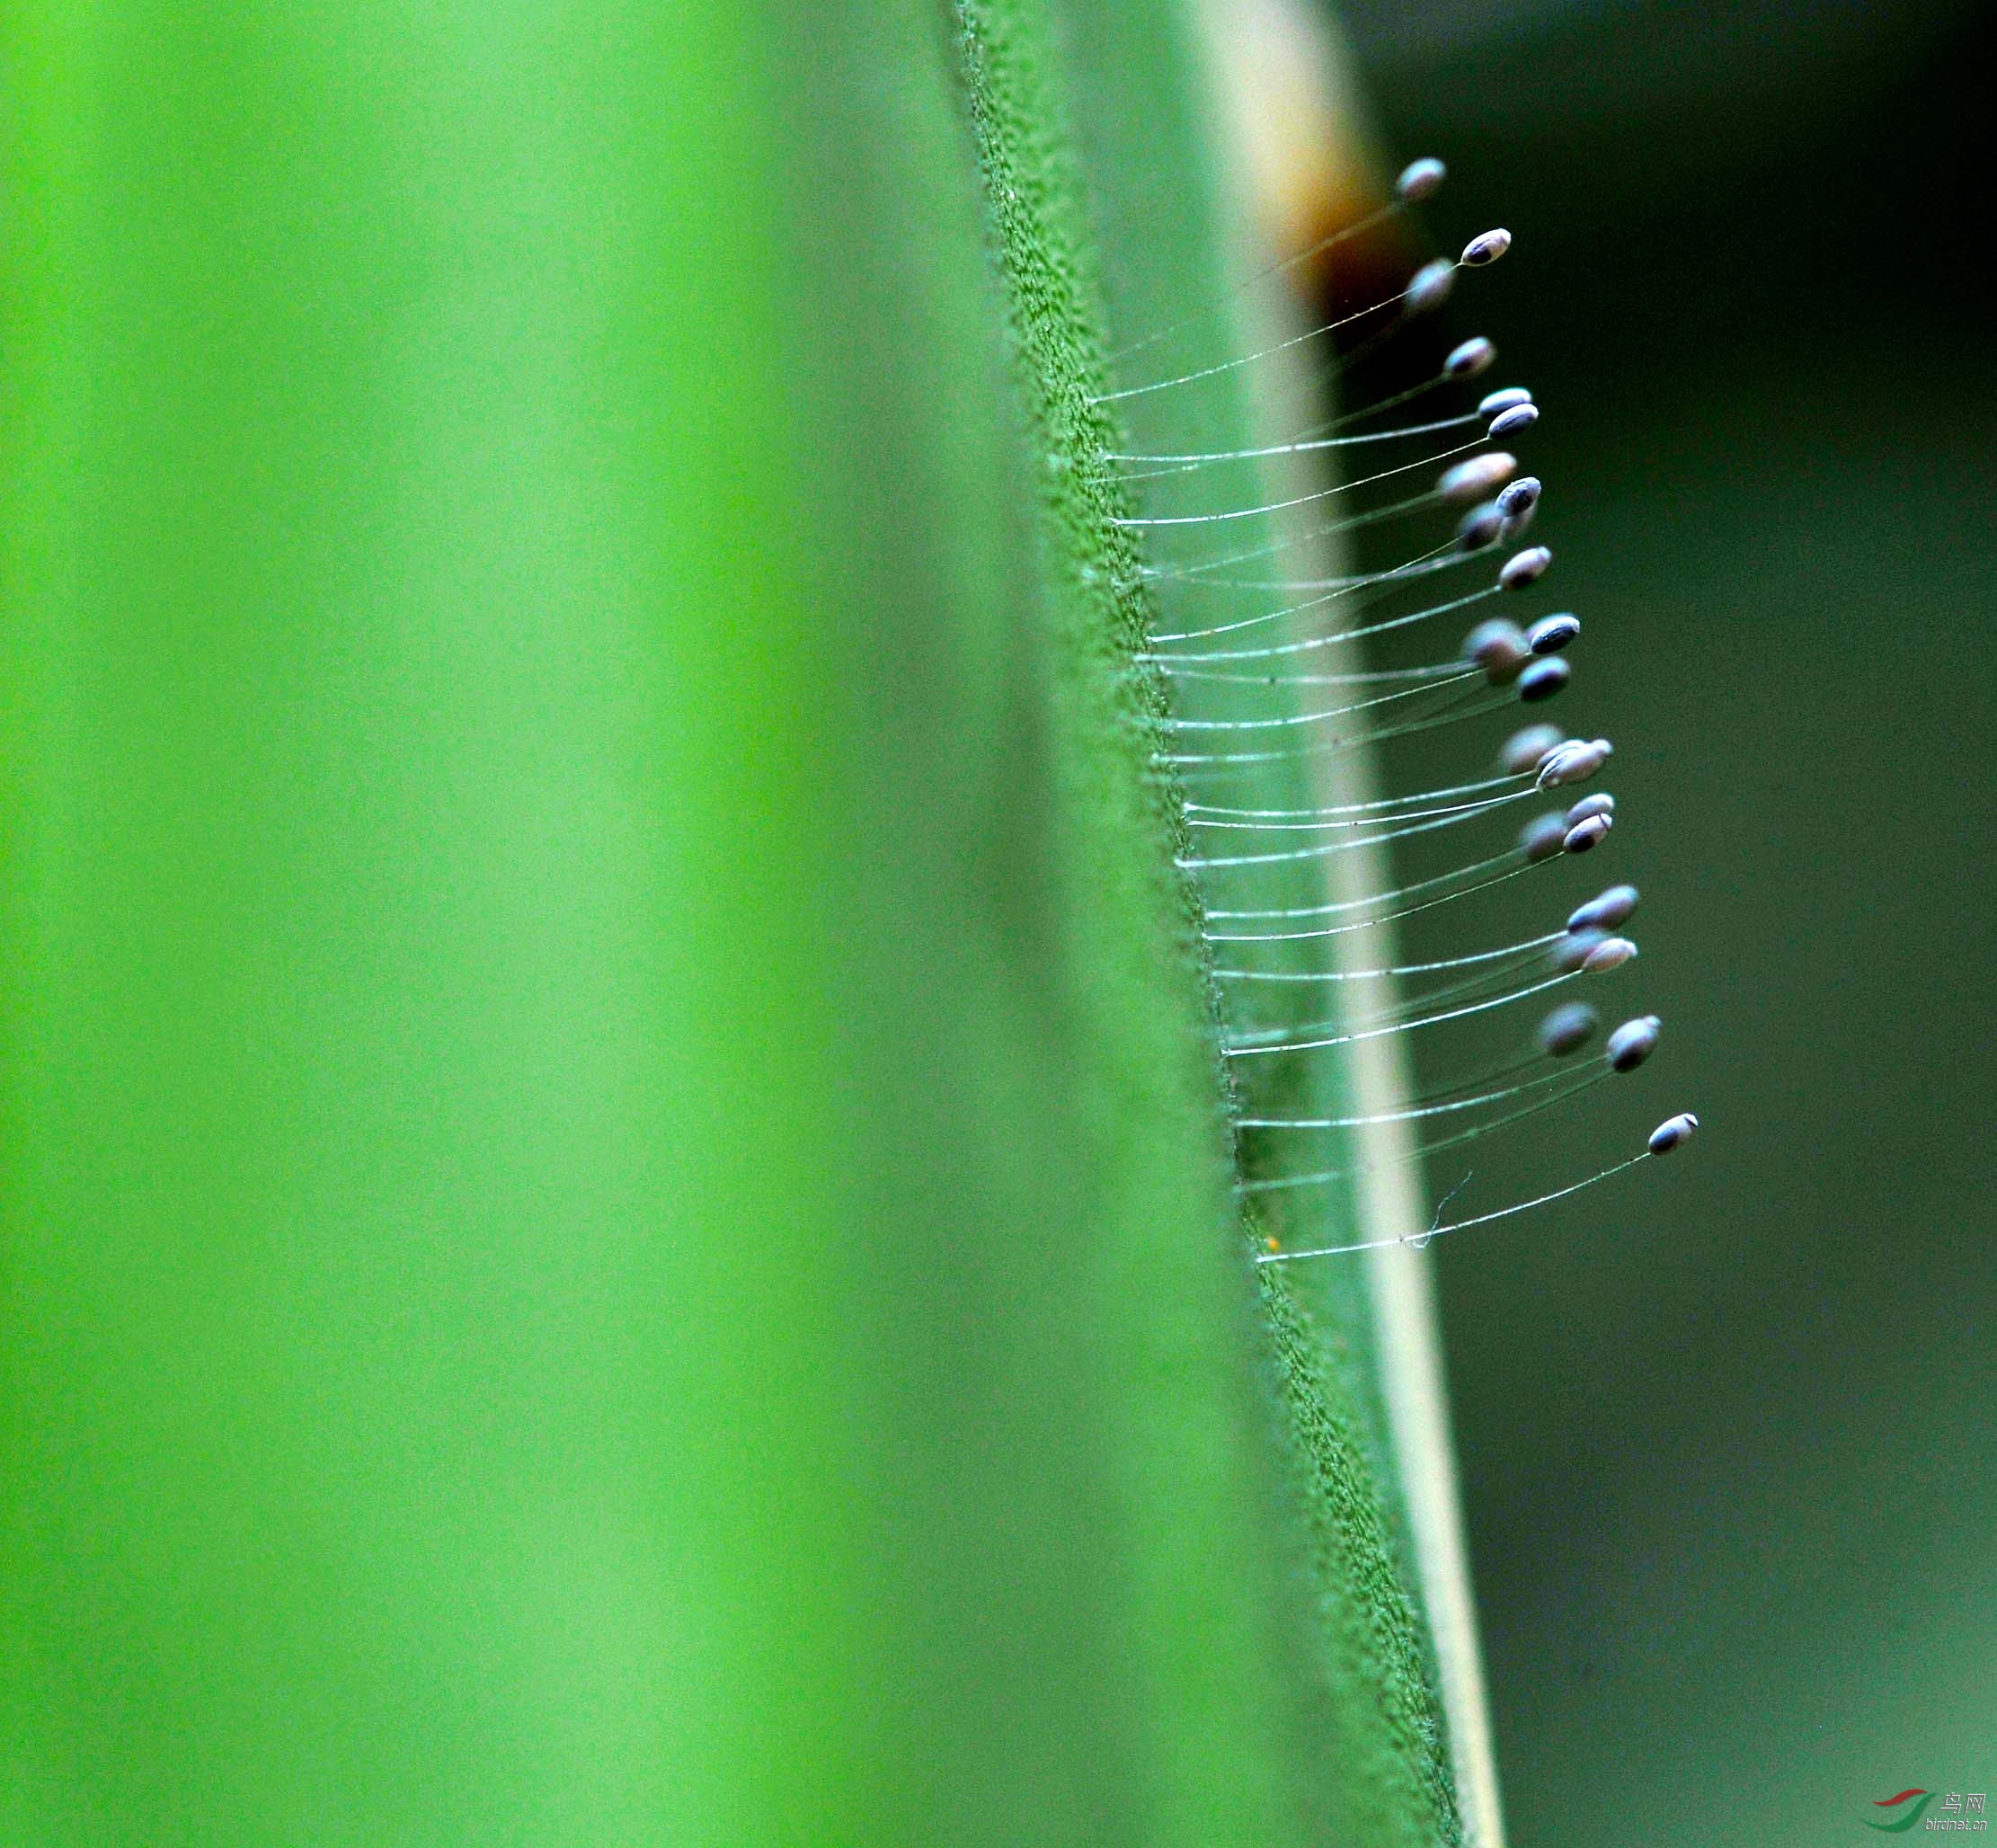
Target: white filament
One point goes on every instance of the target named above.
(1346, 1039)
(1283, 346)
(1315, 975)
(1482, 1219)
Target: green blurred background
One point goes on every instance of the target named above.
(1728, 1435)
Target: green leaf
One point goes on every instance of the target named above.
(615, 1218)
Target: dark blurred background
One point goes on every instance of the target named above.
(1727, 1425)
